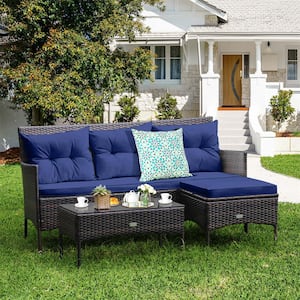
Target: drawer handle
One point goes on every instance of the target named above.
(133, 224)
(239, 216)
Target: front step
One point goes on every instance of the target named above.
(234, 133)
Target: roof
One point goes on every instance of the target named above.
(256, 16)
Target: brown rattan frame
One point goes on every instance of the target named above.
(42, 211)
(90, 224)
(214, 213)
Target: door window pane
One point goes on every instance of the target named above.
(246, 66)
(292, 70)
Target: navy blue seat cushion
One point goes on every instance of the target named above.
(119, 185)
(231, 186)
(201, 145)
(115, 153)
(116, 185)
(60, 156)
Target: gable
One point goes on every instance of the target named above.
(179, 15)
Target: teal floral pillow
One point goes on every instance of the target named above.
(161, 154)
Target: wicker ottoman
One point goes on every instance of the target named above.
(213, 213)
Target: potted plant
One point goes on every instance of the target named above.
(101, 197)
(145, 193)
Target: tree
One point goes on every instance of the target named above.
(62, 64)
(167, 108)
(281, 109)
(128, 109)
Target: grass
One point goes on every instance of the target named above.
(284, 164)
(235, 266)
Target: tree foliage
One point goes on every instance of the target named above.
(281, 109)
(62, 64)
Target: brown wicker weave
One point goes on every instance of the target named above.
(42, 211)
(89, 224)
(214, 213)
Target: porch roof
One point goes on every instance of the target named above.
(255, 17)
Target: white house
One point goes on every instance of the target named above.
(221, 57)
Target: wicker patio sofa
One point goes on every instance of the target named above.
(210, 213)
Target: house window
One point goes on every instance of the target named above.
(167, 61)
(292, 64)
(175, 62)
(160, 62)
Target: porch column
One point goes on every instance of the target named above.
(210, 94)
(258, 58)
(210, 57)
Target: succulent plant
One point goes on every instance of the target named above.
(101, 190)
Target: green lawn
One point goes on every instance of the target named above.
(235, 266)
(284, 164)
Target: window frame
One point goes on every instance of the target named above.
(292, 82)
(167, 58)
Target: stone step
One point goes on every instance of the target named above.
(233, 132)
(244, 147)
(235, 140)
(232, 115)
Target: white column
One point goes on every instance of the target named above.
(210, 57)
(210, 94)
(258, 57)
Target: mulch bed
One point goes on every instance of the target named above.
(10, 156)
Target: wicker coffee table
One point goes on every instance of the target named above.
(83, 224)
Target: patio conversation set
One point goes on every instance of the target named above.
(182, 157)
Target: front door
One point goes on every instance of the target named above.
(232, 83)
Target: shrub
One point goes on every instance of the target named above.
(167, 108)
(128, 110)
(281, 109)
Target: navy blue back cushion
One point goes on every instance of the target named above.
(115, 153)
(60, 156)
(201, 145)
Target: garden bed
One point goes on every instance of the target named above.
(10, 156)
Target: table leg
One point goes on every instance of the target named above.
(25, 228)
(275, 232)
(160, 239)
(61, 250)
(78, 253)
(183, 241)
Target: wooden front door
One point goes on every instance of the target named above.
(232, 83)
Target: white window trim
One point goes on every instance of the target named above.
(168, 80)
(292, 83)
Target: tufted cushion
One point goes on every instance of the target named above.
(60, 156)
(232, 186)
(201, 145)
(161, 154)
(115, 153)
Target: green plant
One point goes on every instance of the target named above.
(281, 109)
(101, 190)
(128, 110)
(167, 108)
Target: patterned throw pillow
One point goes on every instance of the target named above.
(161, 154)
